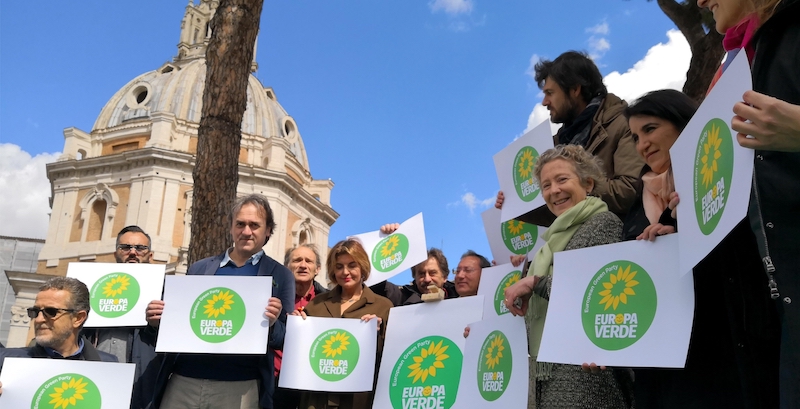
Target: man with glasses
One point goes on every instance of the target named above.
(58, 314)
(134, 345)
(468, 273)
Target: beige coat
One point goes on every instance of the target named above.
(610, 140)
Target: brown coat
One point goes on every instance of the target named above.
(610, 140)
(329, 305)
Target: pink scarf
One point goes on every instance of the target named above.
(655, 195)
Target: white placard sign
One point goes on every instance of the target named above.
(391, 254)
(514, 167)
(119, 292)
(512, 237)
(329, 354)
(423, 353)
(215, 314)
(51, 383)
(713, 174)
(494, 281)
(617, 304)
(495, 370)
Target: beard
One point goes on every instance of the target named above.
(566, 113)
(53, 339)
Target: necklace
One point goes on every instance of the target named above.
(351, 300)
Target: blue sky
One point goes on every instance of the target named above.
(401, 103)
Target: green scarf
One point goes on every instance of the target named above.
(556, 238)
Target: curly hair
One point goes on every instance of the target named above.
(587, 166)
(355, 250)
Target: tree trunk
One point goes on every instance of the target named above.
(706, 44)
(234, 29)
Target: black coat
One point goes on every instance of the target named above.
(89, 353)
(732, 359)
(775, 199)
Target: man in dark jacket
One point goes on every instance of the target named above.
(433, 271)
(232, 381)
(576, 97)
(131, 344)
(58, 314)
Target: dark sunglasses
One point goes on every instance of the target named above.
(49, 312)
(140, 249)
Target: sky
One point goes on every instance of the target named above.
(401, 103)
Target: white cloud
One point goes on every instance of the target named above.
(664, 66)
(24, 204)
(532, 65)
(451, 7)
(471, 202)
(600, 29)
(598, 43)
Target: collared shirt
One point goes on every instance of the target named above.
(300, 301)
(52, 353)
(254, 259)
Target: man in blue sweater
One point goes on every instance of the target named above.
(200, 381)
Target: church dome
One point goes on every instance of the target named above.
(176, 90)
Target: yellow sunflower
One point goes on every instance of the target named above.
(623, 282)
(218, 304)
(340, 340)
(526, 164)
(390, 246)
(511, 281)
(116, 286)
(428, 361)
(495, 352)
(515, 227)
(711, 153)
(69, 393)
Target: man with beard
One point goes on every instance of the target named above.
(58, 314)
(132, 344)
(576, 97)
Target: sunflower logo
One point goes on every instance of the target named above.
(515, 227)
(618, 288)
(494, 352)
(116, 286)
(335, 345)
(218, 304)
(429, 360)
(526, 164)
(711, 153)
(69, 393)
(511, 281)
(390, 246)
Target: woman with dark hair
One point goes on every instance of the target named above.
(732, 352)
(348, 267)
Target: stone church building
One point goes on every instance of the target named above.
(135, 168)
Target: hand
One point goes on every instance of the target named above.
(273, 309)
(522, 289)
(652, 231)
(153, 313)
(368, 317)
(516, 260)
(500, 199)
(592, 368)
(773, 124)
(390, 228)
(674, 201)
(1, 388)
(466, 332)
(299, 313)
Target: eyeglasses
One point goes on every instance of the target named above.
(48, 312)
(466, 270)
(139, 248)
